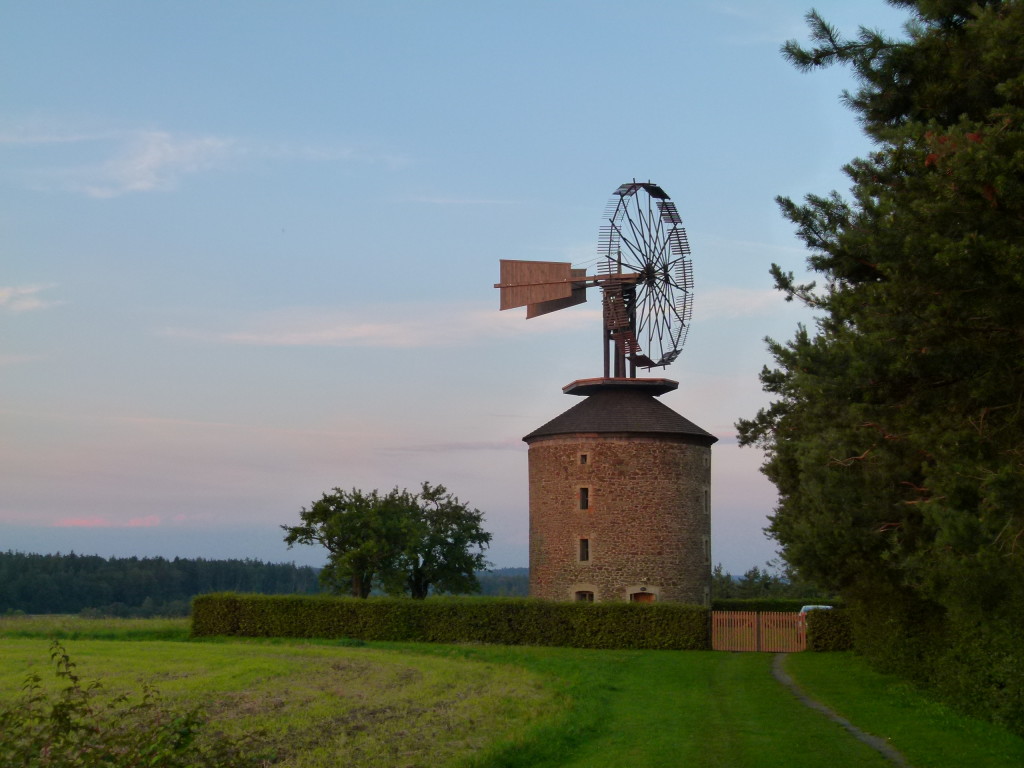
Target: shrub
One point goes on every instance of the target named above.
(503, 621)
(76, 727)
(971, 659)
(829, 631)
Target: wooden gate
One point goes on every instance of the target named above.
(757, 631)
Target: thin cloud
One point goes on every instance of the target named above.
(428, 328)
(724, 303)
(415, 326)
(733, 11)
(117, 163)
(751, 24)
(511, 444)
(24, 298)
(318, 153)
(166, 425)
(581, 255)
(336, 334)
(724, 245)
(99, 521)
(42, 136)
(19, 359)
(155, 160)
(16, 517)
(462, 201)
(82, 522)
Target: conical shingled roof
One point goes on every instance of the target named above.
(621, 410)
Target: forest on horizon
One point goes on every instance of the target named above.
(157, 586)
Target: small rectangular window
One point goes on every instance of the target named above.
(584, 550)
(584, 597)
(584, 498)
(583, 458)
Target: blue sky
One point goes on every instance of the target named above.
(249, 248)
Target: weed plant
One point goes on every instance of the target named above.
(75, 727)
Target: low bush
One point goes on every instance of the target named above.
(829, 631)
(502, 621)
(78, 727)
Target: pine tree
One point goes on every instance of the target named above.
(896, 436)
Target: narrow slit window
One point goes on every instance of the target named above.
(584, 550)
(584, 498)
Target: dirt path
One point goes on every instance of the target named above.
(879, 745)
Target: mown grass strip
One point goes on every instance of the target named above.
(650, 709)
(877, 743)
(929, 734)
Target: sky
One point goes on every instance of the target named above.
(248, 249)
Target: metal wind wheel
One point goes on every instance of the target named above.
(648, 315)
(644, 273)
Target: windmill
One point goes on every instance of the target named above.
(620, 483)
(644, 274)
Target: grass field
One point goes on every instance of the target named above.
(313, 704)
(386, 704)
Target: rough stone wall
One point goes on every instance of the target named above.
(648, 523)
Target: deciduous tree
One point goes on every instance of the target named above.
(444, 546)
(362, 532)
(406, 542)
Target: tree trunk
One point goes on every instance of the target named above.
(419, 587)
(362, 583)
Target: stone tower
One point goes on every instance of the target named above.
(620, 489)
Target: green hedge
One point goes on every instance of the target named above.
(765, 604)
(502, 621)
(829, 631)
(974, 661)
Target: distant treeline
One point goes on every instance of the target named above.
(134, 586)
(505, 582)
(155, 586)
(769, 583)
